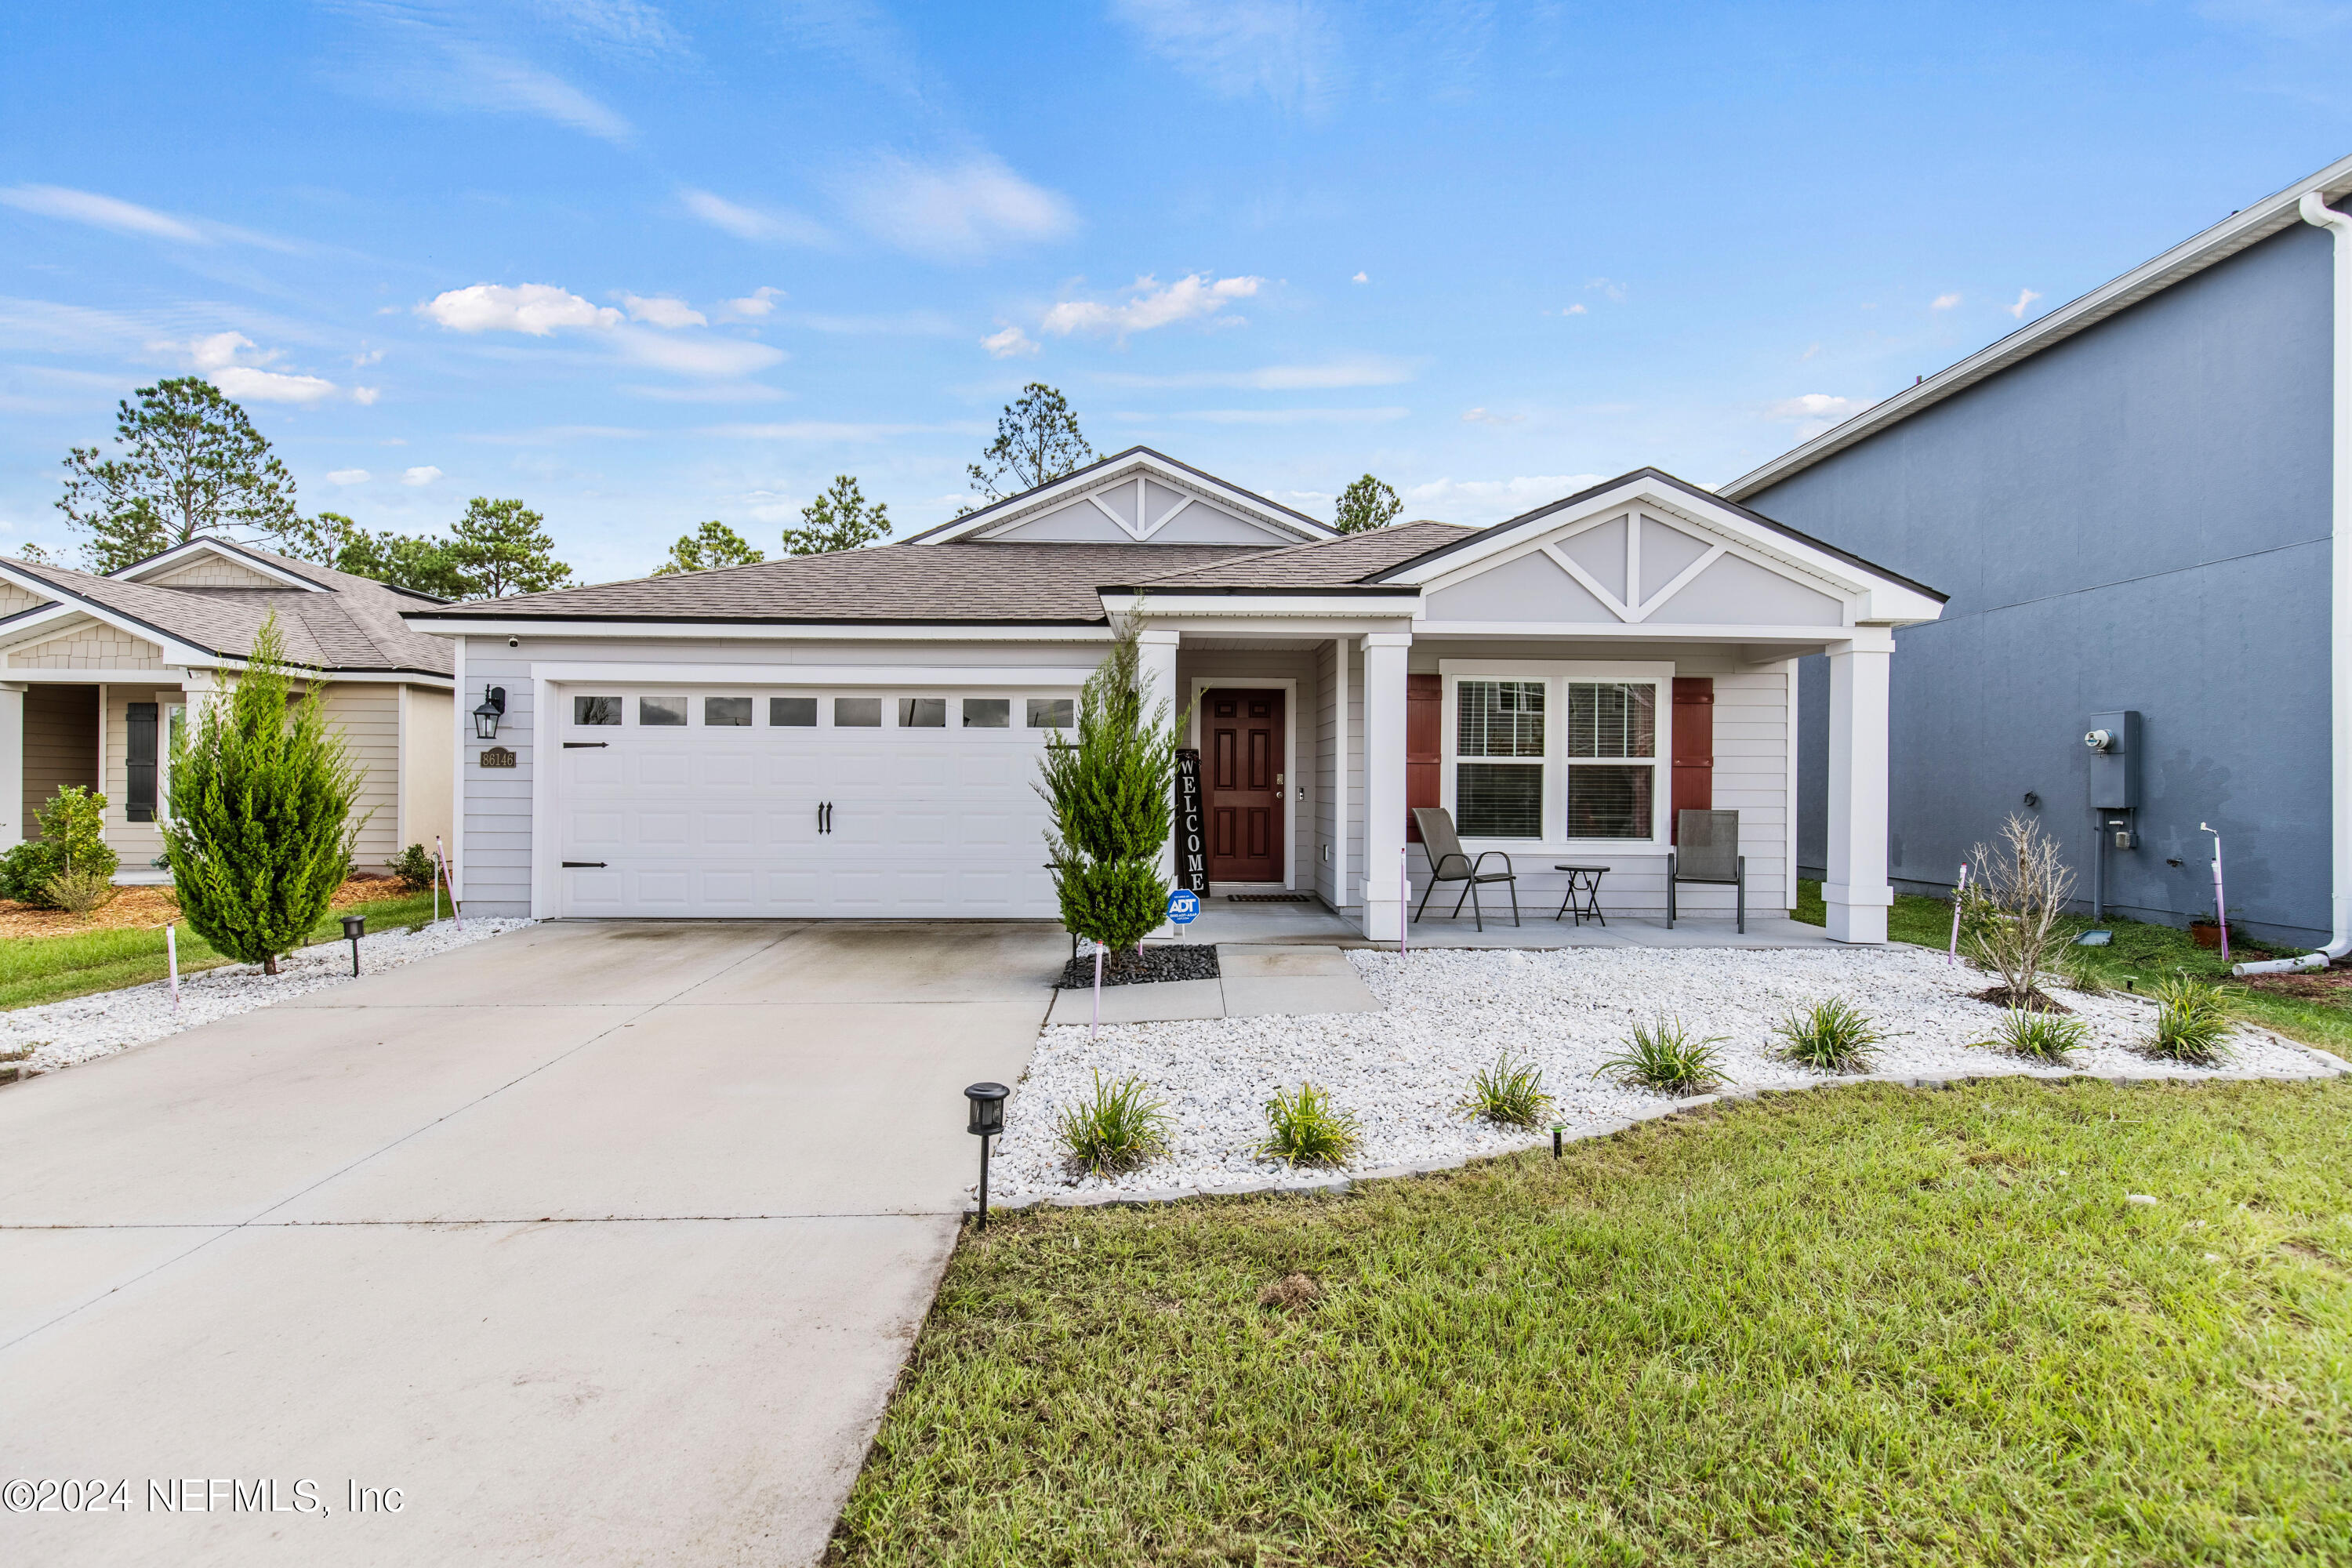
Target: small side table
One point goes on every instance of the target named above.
(1583, 897)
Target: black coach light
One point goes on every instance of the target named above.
(987, 1122)
(354, 928)
(487, 717)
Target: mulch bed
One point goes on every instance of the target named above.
(148, 905)
(1144, 966)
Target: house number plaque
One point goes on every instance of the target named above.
(498, 757)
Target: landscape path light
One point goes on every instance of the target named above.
(354, 928)
(987, 1121)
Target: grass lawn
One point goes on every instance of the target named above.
(2313, 1009)
(34, 970)
(1866, 1325)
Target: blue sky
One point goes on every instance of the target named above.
(643, 265)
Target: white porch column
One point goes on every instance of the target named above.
(1856, 889)
(1341, 655)
(11, 764)
(1384, 687)
(1155, 670)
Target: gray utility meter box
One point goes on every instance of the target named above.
(2113, 740)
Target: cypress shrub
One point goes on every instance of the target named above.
(259, 831)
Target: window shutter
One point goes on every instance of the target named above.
(139, 762)
(1424, 745)
(1694, 786)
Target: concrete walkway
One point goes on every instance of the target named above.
(1253, 981)
(601, 1243)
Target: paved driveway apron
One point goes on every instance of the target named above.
(602, 1243)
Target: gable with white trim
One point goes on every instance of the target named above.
(93, 645)
(211, 571)
(1135, 497)
(15, 600)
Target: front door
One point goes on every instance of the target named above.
(1240, 759)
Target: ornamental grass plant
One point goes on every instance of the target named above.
(1508, 1094)
(1116, 1129)
(1305, 1129)
(1662, 1055)
(2050, 1038)
(1830, 1036)
(2193, 1021)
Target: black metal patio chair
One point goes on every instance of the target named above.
(1448, 863)
(1707, 851)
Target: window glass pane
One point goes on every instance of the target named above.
(595, 711)
(1499, 718)
(727, 713)
(661, 709)
(858, 712)
(792, 712)
(988, 713)
(1614, 719)
(1609, 802)
(1498, 800)
(922, 712)
(1051, 713)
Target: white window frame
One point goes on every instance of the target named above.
(1556, 676)
(168, 715)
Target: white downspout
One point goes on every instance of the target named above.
(2339, 629)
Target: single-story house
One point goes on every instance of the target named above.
(857, 734)
(2143, 504)
(97, 672)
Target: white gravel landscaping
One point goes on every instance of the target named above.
(1451, 1012)
(63, 1034)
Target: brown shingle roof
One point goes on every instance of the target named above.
(1326, 563)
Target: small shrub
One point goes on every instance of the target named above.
(1830, 1036)
(1116, 1129)
(2050, 1038)
(2011, 915)
(72, 829)
(2192, 1022)
(78, 892)
(1508, 1094)
(2083, 973)
(1306, 1131)
(413, 868)
(1662, 1055)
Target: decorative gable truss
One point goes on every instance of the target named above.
(1136, 497)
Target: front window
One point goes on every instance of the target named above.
(1499, 747)
(1613, 747)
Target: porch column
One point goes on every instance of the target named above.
(1856, 889)
(11, 764)
(1156, 672)
(1384, 686)
(1340, 656)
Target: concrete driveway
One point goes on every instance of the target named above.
(602, 1243)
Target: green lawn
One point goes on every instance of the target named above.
(2313, 1010)
(34, 970)
(1864, 1325)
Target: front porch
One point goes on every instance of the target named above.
(1313, 923)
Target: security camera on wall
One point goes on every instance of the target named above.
(514, 642)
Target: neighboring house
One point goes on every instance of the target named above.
(97, 672)
(857, 734)
(2140, 502)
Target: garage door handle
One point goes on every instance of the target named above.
(825, 816)
(583, 746)
(599, 865)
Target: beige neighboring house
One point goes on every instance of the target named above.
(97, 672)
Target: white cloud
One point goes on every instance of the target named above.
(1576, 309)
(1150, 304)
(1481, 416)
(1491, 500)
(1286, 49)
(1608, 288)
(99, 212)
(219, 349)
(437, 59)
(1812, 352)
(760, 225)
(536, 309)
(1815, 412)
(752, 306)
(217, 356)
(1943, 302)
(1360, 278)
(424, 475)
(662, 311)
(697, 356)
(347, 476)
(2025, 297)
(953, 212)
(366, 396)
(1008, 343)
(1360, 370)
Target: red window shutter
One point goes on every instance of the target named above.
(1424, 744)
(1693, 783)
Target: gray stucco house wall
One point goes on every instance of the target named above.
(2136, 517)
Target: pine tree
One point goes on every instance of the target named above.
(1037, 441)
(708, 547)
(1111, 793)
(191, 463)
(840, 519)
(259, 830)
(499, 548)
(1366, 504)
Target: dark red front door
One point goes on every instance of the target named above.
(1240, 757)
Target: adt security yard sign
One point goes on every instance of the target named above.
(1183, 907)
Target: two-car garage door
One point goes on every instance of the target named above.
(802, 801)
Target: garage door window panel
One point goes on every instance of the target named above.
(922, 712)
(1051, 713)
(661, 713)
(791, 712)
(727, 713)
(858, 712)
(987, 712)
(596, 712)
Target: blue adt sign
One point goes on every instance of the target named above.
(1183, 907)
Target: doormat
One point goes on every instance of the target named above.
(1269, 897)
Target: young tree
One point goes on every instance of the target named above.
(500, 549)
(712, 545)
(259, 831)
(1037, 440)
(1367, 504)
(840, 519)
(399, 560)
(2009, 915)
(71, 838)
(190, 463)
(1111, 793)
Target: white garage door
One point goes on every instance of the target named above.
(802, 802)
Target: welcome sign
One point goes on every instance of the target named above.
(1192, 856)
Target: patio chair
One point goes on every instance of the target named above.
(1447, 863)
(1707, 850)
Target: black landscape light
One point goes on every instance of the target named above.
(354, 928)
(987, 1122)
(493, 709)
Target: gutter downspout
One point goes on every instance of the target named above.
(2316, 211)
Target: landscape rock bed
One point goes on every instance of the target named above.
(1145, 966)
(1450, 1011)
(65, 1034)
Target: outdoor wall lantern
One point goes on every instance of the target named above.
(493, 708)
(987, 1122)
(354, 928)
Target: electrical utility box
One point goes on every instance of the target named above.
(2113, 740)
